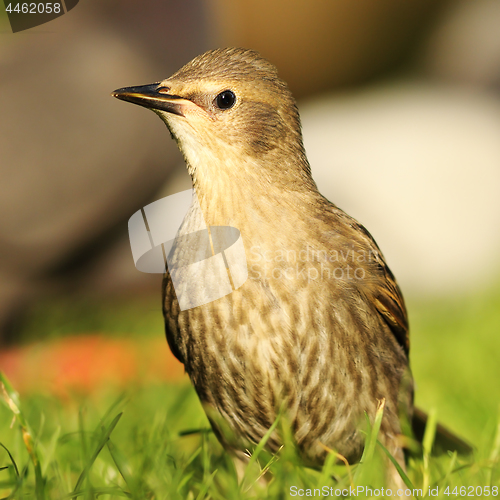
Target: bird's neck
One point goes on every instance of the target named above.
(253, 195)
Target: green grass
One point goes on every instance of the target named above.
(108, 446)
(126, 317)
(132, 447)
(455, 356)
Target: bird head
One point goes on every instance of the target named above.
(228, 111)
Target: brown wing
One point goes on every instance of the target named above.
(386, 295)
(390, 304)
(168, 297)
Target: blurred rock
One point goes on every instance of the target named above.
(320, 44)
(464, 46)
(418, 165)
(76, 163)
(114, 268)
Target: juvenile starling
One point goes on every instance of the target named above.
(320, 326)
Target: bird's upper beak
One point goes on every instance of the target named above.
(153, 96)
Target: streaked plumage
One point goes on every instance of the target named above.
(327, 345)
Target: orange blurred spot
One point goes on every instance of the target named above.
(86, 363)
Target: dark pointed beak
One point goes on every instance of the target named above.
(153, 96)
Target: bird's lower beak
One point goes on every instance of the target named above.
(152, 96)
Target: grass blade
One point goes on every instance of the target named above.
(19, 483)
(102, 442)
(400, 470)
(123, 468)
(427, 443)
(50, 451)
(11, 398)
(11, 459)
(326, 472)
(206, 484)
(371, 441)
(495, 452)
(259, 448)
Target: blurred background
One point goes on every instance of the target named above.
(400, 102)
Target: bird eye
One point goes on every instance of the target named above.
(225, 100)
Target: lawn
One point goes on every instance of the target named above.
(146, 436)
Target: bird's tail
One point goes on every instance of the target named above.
(444, 441)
